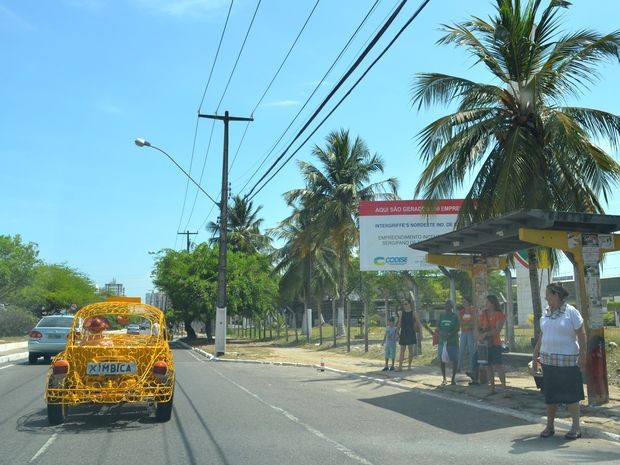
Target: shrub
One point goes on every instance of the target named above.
(609, 319)
(16, 322)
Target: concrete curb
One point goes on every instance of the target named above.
(13, 346)
(588, 431)
(13, 357)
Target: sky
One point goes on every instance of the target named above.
(82, 79)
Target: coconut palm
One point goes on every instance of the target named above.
(306, 263)
(243, 228)
(522, 147)
(333, 190)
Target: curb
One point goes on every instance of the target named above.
(12, 346)
(589, 431)
(13, 357)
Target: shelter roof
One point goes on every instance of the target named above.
(500, 236)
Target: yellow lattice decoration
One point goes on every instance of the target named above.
(99, 337)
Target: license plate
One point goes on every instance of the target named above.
(111, 368)
(54, 336)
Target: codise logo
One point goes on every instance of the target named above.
(382, 261)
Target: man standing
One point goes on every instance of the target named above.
(448, 340)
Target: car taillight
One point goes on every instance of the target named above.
(36, 334)
(60, 367)
(160, 368)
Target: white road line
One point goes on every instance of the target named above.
(340, 447)
(9, 365)
(49, 442)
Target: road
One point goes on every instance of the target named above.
(238, 414)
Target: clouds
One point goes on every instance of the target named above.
(8, 18)
(185, 8)
(283, 103)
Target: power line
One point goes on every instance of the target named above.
(273, 79)
(332, 92)
(318, 86)
(417, 12)
(196, 128)
(217, 53)
(238, 55)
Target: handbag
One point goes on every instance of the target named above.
(483, 352)
(445, 356)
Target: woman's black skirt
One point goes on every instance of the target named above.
(562, 385)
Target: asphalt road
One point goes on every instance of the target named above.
(238, 414)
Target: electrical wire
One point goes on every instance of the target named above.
(318, 86)
(331, 94)
(272, 81)
(403, 28)
(217, 53)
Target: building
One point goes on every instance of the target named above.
(158, 299)
(114, 288)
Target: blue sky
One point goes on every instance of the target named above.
(83, 78)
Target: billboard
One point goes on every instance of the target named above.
(388, 228)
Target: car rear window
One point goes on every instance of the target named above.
(55, 322)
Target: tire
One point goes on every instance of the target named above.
(164, 410)
(56, 414)
(32, 358)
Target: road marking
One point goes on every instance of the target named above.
(9, 365)
(49, 442)
(340, 447)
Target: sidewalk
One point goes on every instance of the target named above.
(522, 399)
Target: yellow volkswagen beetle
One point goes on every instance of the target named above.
(106, 363)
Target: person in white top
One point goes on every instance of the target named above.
(561, 348)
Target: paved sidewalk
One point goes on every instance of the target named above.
(13, 352)
(521, 399)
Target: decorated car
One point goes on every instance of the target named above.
(103, 363)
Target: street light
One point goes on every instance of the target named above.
(220, 336)
(145, 143)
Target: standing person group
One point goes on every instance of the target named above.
(561, 347)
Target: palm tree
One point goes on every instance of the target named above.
(334, 190)
(243, 228)
(523, 148)
(305, 262)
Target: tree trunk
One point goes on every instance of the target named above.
(295, 325)
(348, 326)
(535, 287)
(320, 316)
(365, 327)
(308, 297)
(342, 291)
(191, 334)
(208, 329)
(334, 324)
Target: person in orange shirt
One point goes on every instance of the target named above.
(490, 326)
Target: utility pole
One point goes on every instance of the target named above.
(187, 233)
(220, 311)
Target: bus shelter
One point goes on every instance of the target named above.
(584, 238)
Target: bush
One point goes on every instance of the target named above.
(16, 322)
(609, 318)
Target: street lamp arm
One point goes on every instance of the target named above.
(145, 143)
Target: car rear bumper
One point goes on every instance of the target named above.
(50, 348)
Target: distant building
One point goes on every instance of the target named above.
(114, 288)
(158, 299)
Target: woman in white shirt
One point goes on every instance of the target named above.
(561, 348)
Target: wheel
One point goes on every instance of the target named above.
(56, 413)
(32, 358)
(164, 410)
